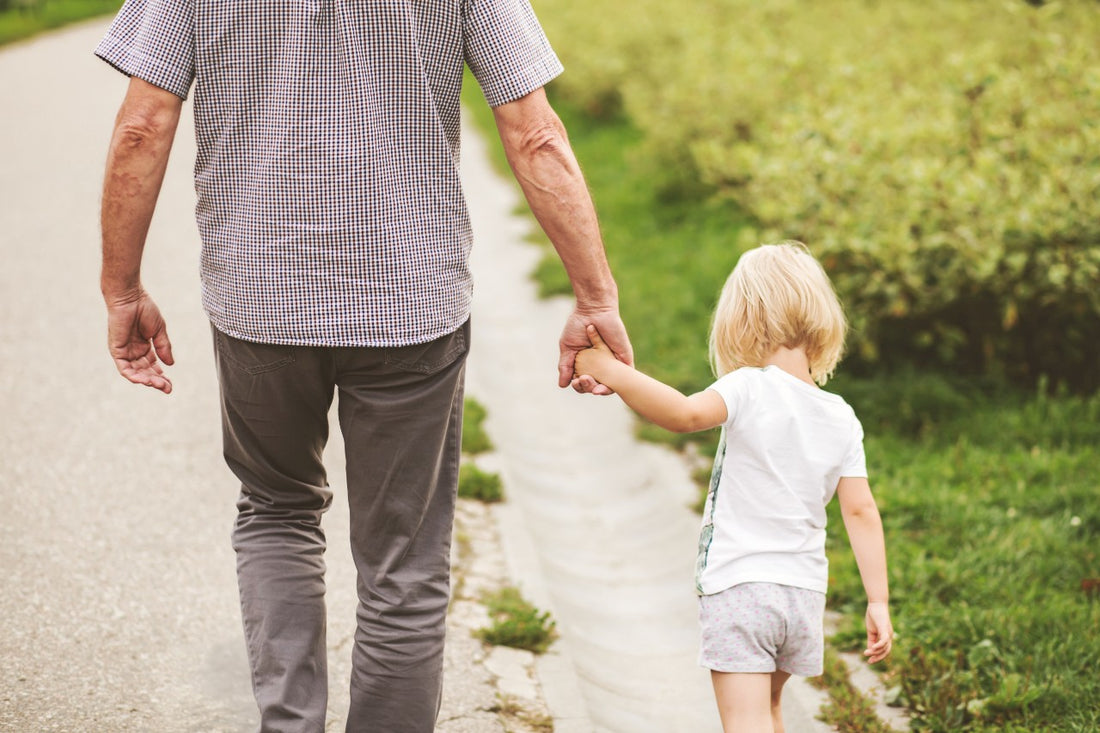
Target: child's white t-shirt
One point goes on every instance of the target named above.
(785, 445)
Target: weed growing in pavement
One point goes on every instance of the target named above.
(847, 708)
(519, 718)
(474, 438)
(473, 483)
(516, 622)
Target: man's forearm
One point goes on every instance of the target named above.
(136, 162)
(543, 162)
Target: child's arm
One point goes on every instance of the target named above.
(653, 400)
(864, 525)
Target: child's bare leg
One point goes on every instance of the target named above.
(743, 701)
(778, 680)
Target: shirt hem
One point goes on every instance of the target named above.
(709, 587)
(352, 342)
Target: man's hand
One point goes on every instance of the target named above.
(137, 337)
(880, 632)
(574, 338)
(136, 161)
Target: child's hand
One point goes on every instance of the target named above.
(880, 632)
(589, 361)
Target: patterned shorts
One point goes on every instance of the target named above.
(762, 627)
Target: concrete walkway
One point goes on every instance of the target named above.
(598, 527)
(118, 608)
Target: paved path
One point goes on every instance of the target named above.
(598, 526)
(118, 605)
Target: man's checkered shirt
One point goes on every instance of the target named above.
(329, 201)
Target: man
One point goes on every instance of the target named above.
(334, 259)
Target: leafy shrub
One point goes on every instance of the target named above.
(942, 158)
(473, 483)
(517, 623)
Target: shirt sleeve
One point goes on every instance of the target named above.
(855, 462)
(733, 388)
(153, 40)
(506, 49)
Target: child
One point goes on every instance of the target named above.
(786, 448)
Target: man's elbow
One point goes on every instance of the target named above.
(139, 128)
(147, 119)
(545, 138)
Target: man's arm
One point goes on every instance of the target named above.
(538, 150)
(136, 161)
(864, 525)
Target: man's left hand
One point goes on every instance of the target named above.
(574, 337)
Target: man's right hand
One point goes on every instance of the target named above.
(137, 339)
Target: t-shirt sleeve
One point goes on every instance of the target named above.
(733, 388)
(153, 40)
(855, 462)
(506, 49)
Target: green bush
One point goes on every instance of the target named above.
(517, 623)
(942, 158)
(473, 483)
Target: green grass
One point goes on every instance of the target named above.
(992, 521)
(517, 623)
(989, 495)
(17, 24)
(848, 709)
(473, 483)
(474, 438)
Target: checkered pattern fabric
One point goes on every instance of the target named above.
(329, 201)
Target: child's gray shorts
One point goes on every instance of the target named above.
(763, 627)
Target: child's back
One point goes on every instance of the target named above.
(785, 445)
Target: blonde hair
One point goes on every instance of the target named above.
(777, 296)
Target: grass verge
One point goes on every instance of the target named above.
(988, 494)
(25, 21)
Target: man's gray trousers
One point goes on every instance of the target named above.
(400, 412)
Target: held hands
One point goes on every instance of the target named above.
(576, 338)
(592, 361)
(136, 337)
(880, 632)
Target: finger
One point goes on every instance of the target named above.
(878, 650)
(594, 336)
(144, 375)
(584, 383)
(565, 368)
(160, 383)
(163, 346)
